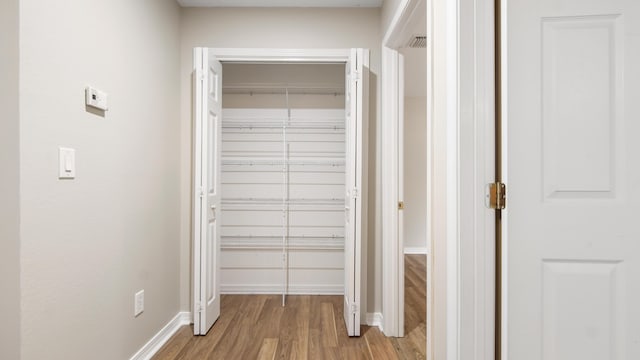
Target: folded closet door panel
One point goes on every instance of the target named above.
(207, 189)
(356, 99)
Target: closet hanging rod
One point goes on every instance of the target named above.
(282, 89)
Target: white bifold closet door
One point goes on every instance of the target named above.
(207, 84)
(356, 101)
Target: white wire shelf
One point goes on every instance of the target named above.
(272, 162)
(333, 125)
(233, 242)
(279, 201)
(284, 89)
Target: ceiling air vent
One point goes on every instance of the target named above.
(418, 41)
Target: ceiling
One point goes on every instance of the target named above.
(280, 3)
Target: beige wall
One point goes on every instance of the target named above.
(326, 76)
(280, 28)
(87, 245)
(415, 172)
(415, 147)
(9, 183)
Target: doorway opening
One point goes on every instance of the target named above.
(283, 179)
(279, 149)
(412, 214)
(407, 203)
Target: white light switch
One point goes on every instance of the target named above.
(96, 98)
(67, 163)
(138, 306)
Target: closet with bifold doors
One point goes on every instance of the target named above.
(283, 179)
(279, 176)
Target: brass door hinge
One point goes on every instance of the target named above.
(496, 196)
(400, 205)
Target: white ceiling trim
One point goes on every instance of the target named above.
(280, 3)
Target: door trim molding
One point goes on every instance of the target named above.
(392, 246)
(282, 55)
(504, 261)
(461, 260)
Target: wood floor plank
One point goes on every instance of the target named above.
(268, 349)
(288, 328)
(413, 345)
(199, 347)
(235, 338)
(418, 338)
(329, 331)
(355, 353)
(267, 325)
(177, 343)
(300, 348)
(380, 347)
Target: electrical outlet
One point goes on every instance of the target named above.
(138, 303)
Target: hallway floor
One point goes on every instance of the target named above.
(308, 327)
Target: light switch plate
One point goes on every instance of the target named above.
(66, 163)
(96, 98)
(138, 305)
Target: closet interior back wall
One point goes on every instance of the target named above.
(283, 188)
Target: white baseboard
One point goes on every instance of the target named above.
(374, 319)
(159, 339)
(311, 289)
(415, 250)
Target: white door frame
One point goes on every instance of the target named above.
(295, 56)
(460, 161)
(505, 179)
(392, 244)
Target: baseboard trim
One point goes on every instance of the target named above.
(277, 289)
(415, 251)
(159, 339)
(374, 319)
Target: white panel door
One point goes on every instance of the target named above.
(573, 208)
(208, 129)
(356, 103)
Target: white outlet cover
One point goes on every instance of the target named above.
(138, 303)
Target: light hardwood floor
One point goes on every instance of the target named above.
(308, 327)
(414, 343)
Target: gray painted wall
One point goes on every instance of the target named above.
(415, 172)
(87, 245)
(9, 183)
